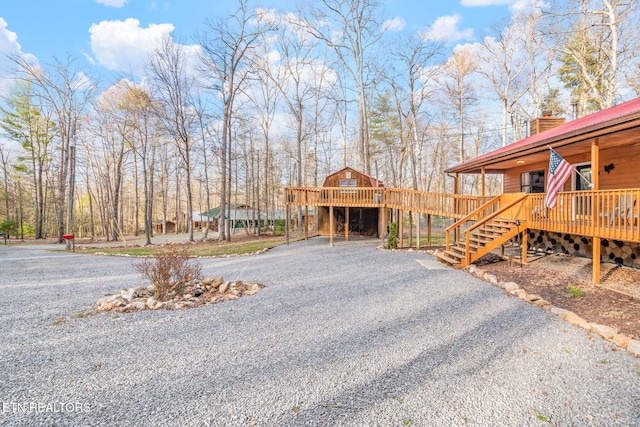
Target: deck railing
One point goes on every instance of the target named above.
(455, 230)
(450, 205)
(611, 214)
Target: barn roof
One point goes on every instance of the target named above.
(375, 182)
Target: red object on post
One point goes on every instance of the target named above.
(68, 237)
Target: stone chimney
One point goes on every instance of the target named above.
(546, 122)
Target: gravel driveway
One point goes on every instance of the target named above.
(342, 336)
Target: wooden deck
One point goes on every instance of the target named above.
(607, 214)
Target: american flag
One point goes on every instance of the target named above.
(559, 171)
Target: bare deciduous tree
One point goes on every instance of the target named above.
(459, 89)
(415, 73)
(353, 33)
(226, 44)
(28, 125)
(595, 40)
(175, 82)
(62, 88)
(503, 65)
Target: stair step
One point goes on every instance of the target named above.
(493, 228)
(489, 236)
(471, 245)
(454, 255)
(504, 220)
(444, 258)
(480, 240)
(475, 239)
(490, 226)
(461, 249)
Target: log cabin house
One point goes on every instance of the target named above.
(596, 214)
(597, 211)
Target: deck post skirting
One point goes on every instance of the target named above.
(610, 250)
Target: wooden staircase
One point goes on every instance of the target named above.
(493, 224)
(481, 241)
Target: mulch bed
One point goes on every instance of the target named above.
(615, 302)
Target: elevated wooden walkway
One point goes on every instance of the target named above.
(485, 223)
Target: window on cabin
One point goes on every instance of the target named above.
(348, 183)
(532, 182)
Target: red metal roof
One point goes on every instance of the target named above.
(583, 125)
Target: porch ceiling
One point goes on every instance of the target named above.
(618, 126)
(565, 149)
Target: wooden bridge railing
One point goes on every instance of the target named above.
(450, 205)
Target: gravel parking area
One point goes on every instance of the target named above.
(340, 336)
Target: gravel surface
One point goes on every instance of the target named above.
(342, 336)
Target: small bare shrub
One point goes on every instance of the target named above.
(170, 272)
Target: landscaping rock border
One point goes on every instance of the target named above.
(211, 290)
(607, 332)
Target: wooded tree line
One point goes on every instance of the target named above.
(264, 100)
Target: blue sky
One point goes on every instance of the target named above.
(114, 34)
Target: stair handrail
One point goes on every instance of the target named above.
(467, 233)
(467, 218)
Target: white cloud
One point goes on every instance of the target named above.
(445, 28)
(9, 47)
(112, 3)
(124, 45)
(395, 24)
(523, 5)
(8, 40)
(482, 3)
(513, 4)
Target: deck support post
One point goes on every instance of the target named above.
(456, 190)
(524, 242)
(286, 224)
(595, 167)
(306, 222)
(595, 164)
(418, 231)
(384, 224)
(401, 227)
(428, 229)
(410, 217)
(346, 223)
(331, 226)
(596, 261)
